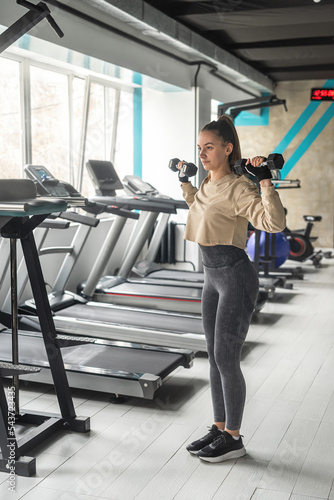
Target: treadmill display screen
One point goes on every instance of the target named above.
(104, 176)
(43, 174)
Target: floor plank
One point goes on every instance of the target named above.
(316, 475)
(270, 495)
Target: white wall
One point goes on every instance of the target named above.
(168, 132)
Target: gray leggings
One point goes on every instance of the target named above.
(230, 291)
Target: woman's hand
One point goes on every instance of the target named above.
(256, 161)
(254, 167)
(182, 178)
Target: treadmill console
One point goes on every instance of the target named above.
(104, 177)
(135, 185)
(48, 185)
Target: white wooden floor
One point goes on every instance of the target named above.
(137, 450)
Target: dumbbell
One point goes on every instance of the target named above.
(275, 161)
(187, 169)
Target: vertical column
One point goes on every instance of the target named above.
(202, 117)
(202, 108)
(137, 127)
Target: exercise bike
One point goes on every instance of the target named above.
(301, 242)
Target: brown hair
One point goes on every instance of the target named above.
(225, 130)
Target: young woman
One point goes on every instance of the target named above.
(219, 212)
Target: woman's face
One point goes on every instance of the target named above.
(212, 152)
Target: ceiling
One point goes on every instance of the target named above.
(283, 39)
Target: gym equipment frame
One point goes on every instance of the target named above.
(18, 219)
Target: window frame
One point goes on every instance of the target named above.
(89, 77)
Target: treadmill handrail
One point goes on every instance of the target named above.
(135, 203)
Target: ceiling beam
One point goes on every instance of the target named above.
(292, 42)
(179, 9)
(295, 69)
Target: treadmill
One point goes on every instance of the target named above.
(20, 213)
(121, 289)
(148, 270)
(147, 267)
(119, 368)
(116, 368)
(79, 316)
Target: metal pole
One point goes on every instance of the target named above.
(139, 242)
(104, 256)
(15, 343)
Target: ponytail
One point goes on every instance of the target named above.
(225, 130)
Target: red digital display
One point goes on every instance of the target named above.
(322, 95)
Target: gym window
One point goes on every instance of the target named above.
(58, 118)
(50, 121)
(108, 129)
(10, 119)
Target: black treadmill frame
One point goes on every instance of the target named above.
(46, 424)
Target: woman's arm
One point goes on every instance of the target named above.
(265, 211)
(189, 192)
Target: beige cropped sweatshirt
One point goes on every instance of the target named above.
(219, 211)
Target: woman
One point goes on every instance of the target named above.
(218, 218)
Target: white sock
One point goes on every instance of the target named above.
(234, 437)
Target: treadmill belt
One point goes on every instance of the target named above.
(142, 319)
(171, 275)
(156, 291)
(95, 359)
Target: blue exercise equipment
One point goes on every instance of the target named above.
(282, 247)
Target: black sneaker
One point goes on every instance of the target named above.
(223, 447)
(204, 441)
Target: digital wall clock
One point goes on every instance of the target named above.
(321, 94)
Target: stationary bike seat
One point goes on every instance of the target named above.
(312, 218)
